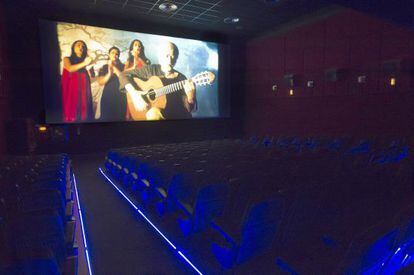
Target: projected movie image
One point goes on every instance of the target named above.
(94, 74)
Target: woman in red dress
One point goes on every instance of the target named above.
(76, 86)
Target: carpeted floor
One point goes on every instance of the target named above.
(119, 240)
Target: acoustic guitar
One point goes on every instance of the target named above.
(155, 93)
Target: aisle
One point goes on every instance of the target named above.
(120, 242)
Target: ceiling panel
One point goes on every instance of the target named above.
(256, 16)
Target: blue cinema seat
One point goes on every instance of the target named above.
(209, 204)
(374, 256)
(254, 237)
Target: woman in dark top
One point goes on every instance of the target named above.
(113, 103)
(136, 60)
(136, 56)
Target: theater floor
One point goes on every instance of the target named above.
(119, 240)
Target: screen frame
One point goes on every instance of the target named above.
(223, 74)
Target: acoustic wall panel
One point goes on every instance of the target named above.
(348, 41)
(396, 42)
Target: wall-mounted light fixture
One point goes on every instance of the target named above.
(291, 81)
(393, 81)
(395, 68)
(42, 128)
(362, 79)
(310, 84)
(231, 20)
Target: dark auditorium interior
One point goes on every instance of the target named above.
(296, 155)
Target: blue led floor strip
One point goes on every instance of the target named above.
(188, 261)
(82, 227)
(150, 223)
(136, 208)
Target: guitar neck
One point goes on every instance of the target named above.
(169, 89)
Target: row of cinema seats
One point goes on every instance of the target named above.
(293, 205)
(37, 226)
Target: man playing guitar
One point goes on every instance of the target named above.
(178, 104)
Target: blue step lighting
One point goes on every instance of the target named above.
(180, 253)
(85, 243)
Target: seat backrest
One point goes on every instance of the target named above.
(367, 253)
(259, 228)
(210, 203)
(379, 251)
(46, 230)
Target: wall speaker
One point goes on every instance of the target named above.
(291, 80)
(335, 74)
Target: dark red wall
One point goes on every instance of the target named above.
(348, 40)
(4, 85)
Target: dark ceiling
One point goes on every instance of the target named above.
(256, 16)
